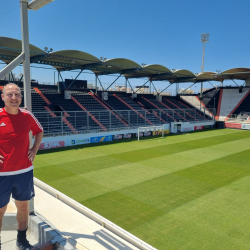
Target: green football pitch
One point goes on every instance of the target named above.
(189, 191)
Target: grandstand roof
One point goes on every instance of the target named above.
(69, 59)
(235, 73)
(11, 48)
(66, 60)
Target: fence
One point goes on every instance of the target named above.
(68, 122)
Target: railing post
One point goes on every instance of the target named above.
(109, 119)
(48, 121)
(145, 118)
(75, 119)
(61, 122)
(99, 117)
(87, 113)
(160, 116)
(129, 118)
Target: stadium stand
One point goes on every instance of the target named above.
(94, 105)
(231, 98)
(122, 102)
(194, 101)
(55, 104)
(244, 104)
(85, 111)
(211, 97)
(150, 103)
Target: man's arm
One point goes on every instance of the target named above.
(1, 159)
(34, 149)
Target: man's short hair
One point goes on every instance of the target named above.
(11, 83)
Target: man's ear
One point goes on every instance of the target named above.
(2, 96)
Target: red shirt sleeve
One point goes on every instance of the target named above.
(36, 127)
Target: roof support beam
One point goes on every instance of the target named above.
(166, 87)
(155, 88)
(212, 84)
(74, 79)
(6, 70)
(187, 88)
(142, 85)
(113, 82)
(131, 86)
(96, 76)
(20, 80)
(12, 77)
(235, 83)
(100, 82)
(62, 79)
(126, 84)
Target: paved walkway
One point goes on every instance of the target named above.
(82, 232)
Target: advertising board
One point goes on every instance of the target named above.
(166, 131)
(101, 139)
(198, 127)
(117, 137)
(77, 142)
(187, 129)
(232, 125)
(147, 133)
(53, 144)
(141, 134)
(245, 126)
(127, 136)
(156, 132)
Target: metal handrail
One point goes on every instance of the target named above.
(83, 121)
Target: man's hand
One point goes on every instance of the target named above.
(32, 153)
(1, 159)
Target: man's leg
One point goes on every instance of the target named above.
(22, 224)
(2, 212)
(22, 193)
(22, 214)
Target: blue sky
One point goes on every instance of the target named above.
(145, 31)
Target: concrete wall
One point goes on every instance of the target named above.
(78, 139)
(189, 126)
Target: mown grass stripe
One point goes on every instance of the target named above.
(170, 191)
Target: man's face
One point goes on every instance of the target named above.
(12, 97)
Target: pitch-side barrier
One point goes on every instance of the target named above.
(94, 216)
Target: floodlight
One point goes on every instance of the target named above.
(37, 4)
(105, 58)
(101, 58)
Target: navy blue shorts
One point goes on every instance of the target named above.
(21, 186)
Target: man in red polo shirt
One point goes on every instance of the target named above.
(16, 168)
